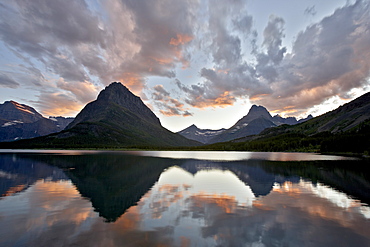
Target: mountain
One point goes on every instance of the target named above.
(345, 129)
(117, 118)
(201, 135)
(305, 119)
(257, 119)
(116, 98)
(19, 121)
(13, 113)
(112, 182)
(61, 122)
(244, 127)
(254, 113)
(278, 120)
(348, 117)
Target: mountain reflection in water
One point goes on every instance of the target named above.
(136, 200)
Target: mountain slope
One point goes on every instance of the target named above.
(257, 119)
(201, 135)
(243, 129)
(117, 118)
(278, 120)
(345, 129)
(254, 113)
(13, 111)
(115, 95)
(19, 121)
(345, 118)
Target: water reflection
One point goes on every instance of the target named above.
(111, 182)
(17, 174)
(290, 215)
(114, 199)
(237, 156)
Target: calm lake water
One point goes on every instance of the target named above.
(90, 198)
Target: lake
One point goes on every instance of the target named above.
(150, 198)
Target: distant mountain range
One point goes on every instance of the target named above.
(117, 118)
(257, 119)
(345, 129)
(19, 121)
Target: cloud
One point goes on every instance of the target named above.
(51, 32)
(310, 11)
(7, 81)
(126, 41)
(160, 93)
(57, 104)
(77, 47)
(230, 77)
(160, 30)
(200, 96)
(168, 106)
(85, 92)
(273, 36)
(328, 58)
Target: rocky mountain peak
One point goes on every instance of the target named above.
(259, 110)
(14, 111)
(121, 95)
(115, 94)
(254, 113)
(305, 119)
(193, 126)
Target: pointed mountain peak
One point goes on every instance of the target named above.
(258, 108)
(254, 112)
(257, 111)
(112, 96)
(114, 92)
(192, 127)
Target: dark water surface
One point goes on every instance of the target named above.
(90, 198)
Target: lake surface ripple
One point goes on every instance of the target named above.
(97, 198)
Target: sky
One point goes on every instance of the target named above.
(202, 62)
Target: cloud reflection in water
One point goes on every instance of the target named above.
(194, 202)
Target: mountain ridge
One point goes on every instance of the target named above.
(345, 129)
(202, 135)
(341, 119)
(116, 119)
(116, 93)
(20, 121)
(257, 120)
(108, 123)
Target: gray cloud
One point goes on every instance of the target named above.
(51, 31)
(310, 11)
(127, 41)
(226, 28)
(328, 58)
(70, 47)
(7, 81)
(168, 106)
(244, 24)
(273, 36)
